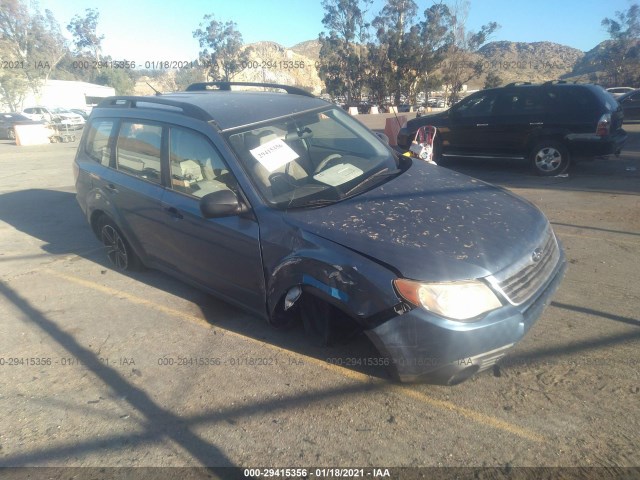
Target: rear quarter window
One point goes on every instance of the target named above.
(571, 101)
(99, 136)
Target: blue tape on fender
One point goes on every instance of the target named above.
(334, 292)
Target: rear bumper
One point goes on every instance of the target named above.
(589, 145)
(426, 348)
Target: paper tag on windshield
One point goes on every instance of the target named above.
(274, 154)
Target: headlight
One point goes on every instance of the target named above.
(462, 301)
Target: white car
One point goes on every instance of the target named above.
(54, 115)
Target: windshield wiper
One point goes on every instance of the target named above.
(321, 202)
(360, 186)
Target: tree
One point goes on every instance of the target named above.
(492, 80)
(343, 59)
(622, 63)
(117, 78)
(399, 38)
(436, 38)
(85, 37)
(222, 54)
(33, 41)
(460, 66)
(186, 76)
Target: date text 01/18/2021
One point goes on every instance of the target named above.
(317, 472)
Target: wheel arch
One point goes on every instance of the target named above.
(95, 217)
(361, 295)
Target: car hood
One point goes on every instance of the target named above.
(431, 224)
(435, 119)
(70, 116)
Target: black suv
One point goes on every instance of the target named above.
(548, 124)
(287, 206)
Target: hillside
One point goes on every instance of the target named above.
(527, 62)
(511, 61)
(271, 62)
(590, 68)
(309, 49)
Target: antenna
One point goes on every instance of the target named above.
(151, 86)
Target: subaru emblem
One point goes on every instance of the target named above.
(536, 256)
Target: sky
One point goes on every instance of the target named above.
(154, 30)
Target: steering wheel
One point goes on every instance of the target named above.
(325, 161)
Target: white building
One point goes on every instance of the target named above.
(69, 94)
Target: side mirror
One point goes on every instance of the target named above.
(223, 203)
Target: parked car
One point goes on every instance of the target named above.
(9, 120)
(549, 124)
(80, 112)
(436, 102)
(285, 205)
(630, 103)
(57, 115)
(405, 107)
(618, 91)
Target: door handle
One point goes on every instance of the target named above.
(482, 124)
(536, 123)
(173, 211)
(111, 187)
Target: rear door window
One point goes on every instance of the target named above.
(519, 102)
(138, 150)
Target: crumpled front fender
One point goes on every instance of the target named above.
(356, 285)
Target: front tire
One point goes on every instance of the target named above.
(119, 252)
(549, 158)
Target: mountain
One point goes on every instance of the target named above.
(511, 61)
(272, 63)
(527, 62)
(591, 67)
(309, 49)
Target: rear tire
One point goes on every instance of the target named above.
(549, 158)
(119, 252)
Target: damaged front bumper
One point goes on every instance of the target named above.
(423, 347)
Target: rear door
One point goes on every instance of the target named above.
(518, 116)
(134, 184)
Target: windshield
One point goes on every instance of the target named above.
(312, 158)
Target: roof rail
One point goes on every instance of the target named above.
(198, 87)
(516, 84)
(555, 82)
(155, 102)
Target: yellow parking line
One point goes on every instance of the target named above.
(477, 417)
(132, 298)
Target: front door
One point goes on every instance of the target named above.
(221, 254)
(471, 124)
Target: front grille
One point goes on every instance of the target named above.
(519, 282)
